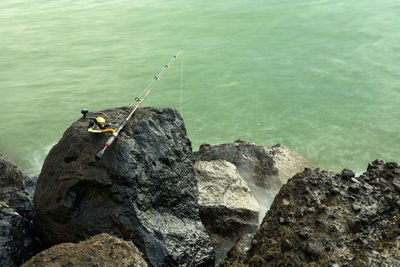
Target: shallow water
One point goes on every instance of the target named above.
(321, 77)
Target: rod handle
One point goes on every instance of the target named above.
(100, 154)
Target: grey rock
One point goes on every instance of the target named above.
(347, 174)
(396, 185)
(288, 162)
(241, 247)
(313, 251)
(16, 188)
(255, 163)
(264, 169)
(17, 236)
(287, 244)
(227, 207)
(143, 189)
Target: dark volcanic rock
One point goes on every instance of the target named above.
(227, 206)
(325, 219)
(100, 250)
(16, 188)
(143, 189)
(17, 238)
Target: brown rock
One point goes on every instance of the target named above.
(322, 228)
(124, 253)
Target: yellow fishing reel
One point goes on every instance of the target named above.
(97, 124)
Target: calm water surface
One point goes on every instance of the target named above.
(322, 77)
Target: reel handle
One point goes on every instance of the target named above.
(84, 112)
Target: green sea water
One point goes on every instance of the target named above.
(320, 76)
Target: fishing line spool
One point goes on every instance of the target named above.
(97, 124)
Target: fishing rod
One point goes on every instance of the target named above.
(115, 134)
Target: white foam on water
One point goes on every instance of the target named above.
(37, 159)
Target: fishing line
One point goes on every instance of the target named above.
(116, 132)
(154, 81)
(182, 83)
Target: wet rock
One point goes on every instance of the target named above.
(100, 250)
(255, 163)
(288, 162)
(304, 233)
(264, 169)
(287, 244)
(347, 174)
(17, 236)
(239, 251)
(313, 251)
(227, 207)
(355, 222)
(143, 189)
(16, 188)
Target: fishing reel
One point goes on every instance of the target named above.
(97, 124)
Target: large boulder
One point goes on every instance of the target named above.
(100, 250)
(227, 206)
(17, 237)
(255, 163)
(143, 189)
(264, 169)
(320, 218)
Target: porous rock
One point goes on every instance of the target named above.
(17, 237)
(100, 250)
(143, 189)
(321, 218)
(227, 206)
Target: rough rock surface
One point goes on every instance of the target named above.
(238, 252)
(16, 188)
(288, 162)
(17, 238)
(227, 206)
(324, 219)
(264, 169)
(101, 250)
(143, 189)
(255, 163)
